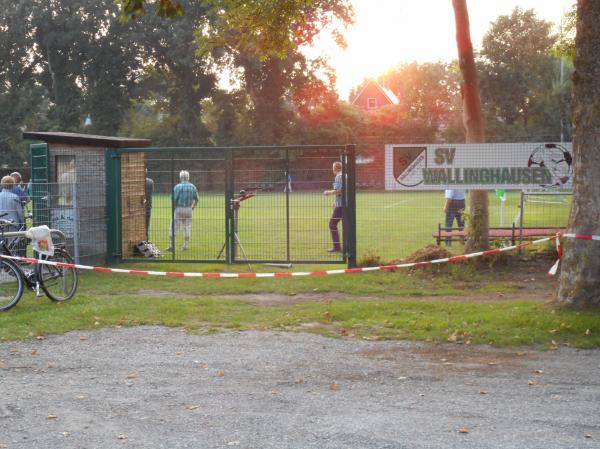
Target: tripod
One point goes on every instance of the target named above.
(235, 204)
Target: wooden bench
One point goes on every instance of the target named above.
(513, 233)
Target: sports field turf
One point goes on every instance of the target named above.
(391, 225)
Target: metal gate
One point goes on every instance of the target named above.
(253, 205)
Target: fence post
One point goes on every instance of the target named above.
(113, 204)
(350, 209)
(229, 212)
(287, 184)
(172, 229)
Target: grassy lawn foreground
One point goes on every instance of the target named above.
(458, 304)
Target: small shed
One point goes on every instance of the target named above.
(70, 190)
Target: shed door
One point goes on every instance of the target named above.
(39, 191)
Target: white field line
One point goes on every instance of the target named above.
(389, 206)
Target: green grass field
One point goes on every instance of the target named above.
(418, 305)
(391, 225)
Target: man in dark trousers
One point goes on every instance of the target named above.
(338, 211)
(148, 203)
(454, 207)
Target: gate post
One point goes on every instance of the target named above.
(229, 211)
(113, 205)
(350, 209)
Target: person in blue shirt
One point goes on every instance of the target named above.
(454, 208)
(19, 188)
(338, 211)
(185, 199)
(11, 208)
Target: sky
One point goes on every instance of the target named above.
(388, 32)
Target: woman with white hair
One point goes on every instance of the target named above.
(185, 199)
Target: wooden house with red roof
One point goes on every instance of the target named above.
(373, 96)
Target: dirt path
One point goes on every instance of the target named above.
(155, 387)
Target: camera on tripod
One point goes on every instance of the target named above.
(242, 196)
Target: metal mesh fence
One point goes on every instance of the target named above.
(199, 232)
(72, 207)
(267, 204)
(251, 204)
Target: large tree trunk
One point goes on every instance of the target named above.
(479, 204)
(580, 275)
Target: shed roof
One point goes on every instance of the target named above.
(87, 139)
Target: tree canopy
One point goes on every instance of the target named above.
(166, 78)
(522, 90)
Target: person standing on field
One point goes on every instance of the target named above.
(148, 203)
(185, 200)
(454, 207)
(338, 211)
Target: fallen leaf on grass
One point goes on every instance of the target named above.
(133, 375)
(373, 338)
(483, 392)
(51, 417)
(463, 430)
(221, 373)
(191, 407)
(34, 352)
(587, 435)
(121, 437)
(40, 337)
(333, 386)
(532, 382)
(13, 350)
(588, 332)
(84, 337)
(538, 371)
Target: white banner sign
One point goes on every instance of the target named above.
(510, 166)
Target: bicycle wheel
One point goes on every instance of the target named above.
(58, 283)
(11, 284)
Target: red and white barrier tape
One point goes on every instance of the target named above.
(569, 235)
(279, 274)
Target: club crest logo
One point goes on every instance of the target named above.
(408, 165)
